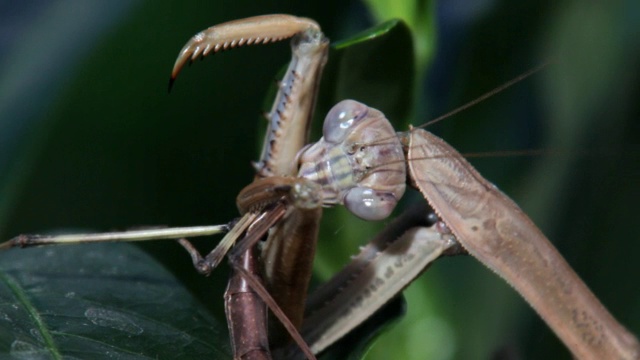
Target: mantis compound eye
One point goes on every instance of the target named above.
(369, 204)
(341, 119)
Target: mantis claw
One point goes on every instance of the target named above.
(250, 31)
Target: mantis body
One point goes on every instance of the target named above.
(622, 342)
(484, 220)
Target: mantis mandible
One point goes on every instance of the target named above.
(415, 161)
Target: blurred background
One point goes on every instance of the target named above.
(91, 141)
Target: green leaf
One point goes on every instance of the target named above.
(419, 15)
(374, 32)
(100, 301)
(374, 67)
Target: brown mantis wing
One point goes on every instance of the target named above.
(494, 230)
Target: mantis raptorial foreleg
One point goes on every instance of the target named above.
(386, 265)
(289, 251)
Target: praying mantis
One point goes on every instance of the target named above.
(487, 224)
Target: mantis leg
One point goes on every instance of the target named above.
(384, 267)
(133, 235)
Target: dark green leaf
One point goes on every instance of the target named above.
(100, 301)
(374, 67)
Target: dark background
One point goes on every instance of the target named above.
(90, 140)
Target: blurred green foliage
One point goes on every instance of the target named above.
(90, 140)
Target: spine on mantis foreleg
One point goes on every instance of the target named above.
(288, 253)
(492, 228)
(292, 110)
